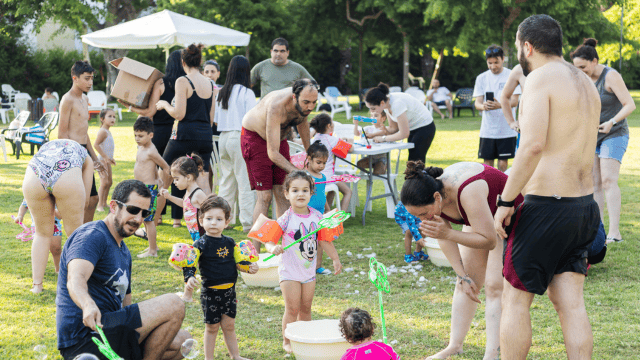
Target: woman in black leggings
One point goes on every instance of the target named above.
(193, 110)
(408, 119)
(164, 89)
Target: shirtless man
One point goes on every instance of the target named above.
(265, 129)
(507, 100)
(74, 123)
(148, 159)
(554, 227)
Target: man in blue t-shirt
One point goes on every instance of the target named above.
(94, 288)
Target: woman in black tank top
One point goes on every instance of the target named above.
(194, 111)
(164, 89)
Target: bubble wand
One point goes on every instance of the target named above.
(378, 277)
(330, 222)
(104, 346)
(365, 119)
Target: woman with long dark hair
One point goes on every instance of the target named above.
(613, 132)
(164, 89)
(193, 110)
(234, 100)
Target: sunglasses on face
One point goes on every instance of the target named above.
(134, 210)
(492, 51)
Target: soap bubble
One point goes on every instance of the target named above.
(41, 352)
(189, 349)
(86, 356)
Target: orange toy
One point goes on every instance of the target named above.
(341, 149)
(265, 230)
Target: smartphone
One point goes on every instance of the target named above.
(489, 96)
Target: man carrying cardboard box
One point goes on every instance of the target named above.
(74, 123)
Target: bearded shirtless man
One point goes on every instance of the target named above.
(554, 227)
(74, 123)
(265, 130)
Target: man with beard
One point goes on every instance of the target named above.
(554, 227)
(263, 140)
(497, 138)
(94, 288)
(278, 72)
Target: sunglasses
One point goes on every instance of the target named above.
(492, 51)
(134, 210)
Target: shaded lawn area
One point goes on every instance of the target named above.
(417, 315)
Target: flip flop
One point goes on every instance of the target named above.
(612, 239)
(144, 234)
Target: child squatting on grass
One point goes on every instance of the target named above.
(185, 171)
(56, 242)
(105, 147)
(297, 270)
(356, 326)
(145, 170)
(219, 273)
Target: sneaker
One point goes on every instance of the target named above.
(323, 271)
(420, 255)
(410, 258)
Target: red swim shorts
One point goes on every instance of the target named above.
(263, 173)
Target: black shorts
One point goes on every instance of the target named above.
(94, 191)
(549, 236)
(178, 148)
(440, 103)
(119, 328)
(218, 302)
(501, 149)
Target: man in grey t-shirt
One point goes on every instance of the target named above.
(278, 72)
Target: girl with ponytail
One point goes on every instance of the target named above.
(464, 193)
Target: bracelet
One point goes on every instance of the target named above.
(465, 278)
(384, 138)
(502, 203)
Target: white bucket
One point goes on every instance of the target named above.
(316, 340)
(436, 255)
(267, 275)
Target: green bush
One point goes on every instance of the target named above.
(33, 72)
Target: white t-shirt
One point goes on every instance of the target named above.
(494, 124)
(329, 142)
(440, 95)
(417, 113)
(242, 100)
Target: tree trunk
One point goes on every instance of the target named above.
(361, 39)
(112, 72)
(345, 67)
(427, 65)
(246, 54)
(405, 63)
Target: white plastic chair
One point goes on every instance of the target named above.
(97, 100)
(416, 93)
(331, 94)
(9, 92)
(21, 102)
(395, 89)
(333, 188)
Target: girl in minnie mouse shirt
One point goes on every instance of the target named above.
(297, 270)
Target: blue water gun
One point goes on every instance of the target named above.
(365, 119)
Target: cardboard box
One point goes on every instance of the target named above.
(135, 82)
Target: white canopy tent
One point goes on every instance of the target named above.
(164, 29)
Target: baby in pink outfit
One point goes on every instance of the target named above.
(356, 326)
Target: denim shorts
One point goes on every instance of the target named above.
(613, 148)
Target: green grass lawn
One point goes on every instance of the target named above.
(417, 315)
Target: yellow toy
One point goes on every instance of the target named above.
(183, 255)
(245, 254)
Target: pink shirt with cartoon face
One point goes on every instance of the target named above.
(372, 350)
(298, 263)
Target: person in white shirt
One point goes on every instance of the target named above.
(234, 100)
(408, 119)
(497, 138)
(440, 95)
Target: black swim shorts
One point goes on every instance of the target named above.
(549, 236)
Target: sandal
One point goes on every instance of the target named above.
(611, 239)
(144, 234)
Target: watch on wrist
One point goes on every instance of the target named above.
(384, 138)
(502, 203)
(613, 121)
